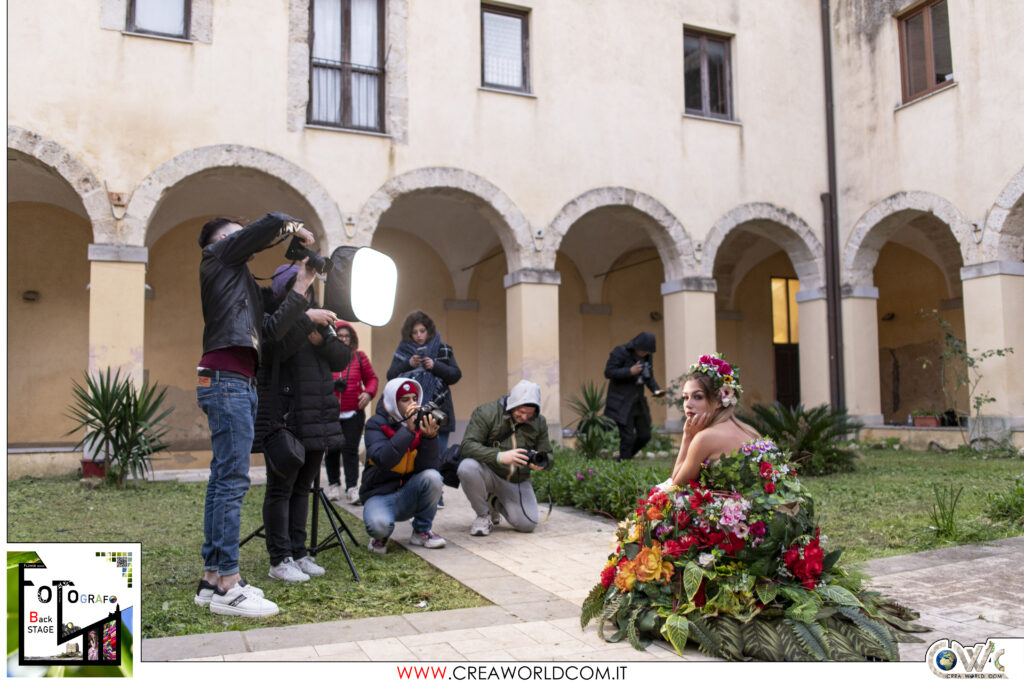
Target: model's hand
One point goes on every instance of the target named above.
(305, 237)
(695, 424)
(415, 360)
(429, 426)
(321, 316)
(364, 399)
(636, 368)
(428, 363)
(513, 457)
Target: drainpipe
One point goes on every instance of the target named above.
(837, 384)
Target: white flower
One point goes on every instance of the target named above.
(705, 559)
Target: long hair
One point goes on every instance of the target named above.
(412, 319)
(720, 413)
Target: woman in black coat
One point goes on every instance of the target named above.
(304, 403)
(628, 370)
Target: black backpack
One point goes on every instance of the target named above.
(449, 467)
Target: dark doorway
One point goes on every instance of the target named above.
(787, 374)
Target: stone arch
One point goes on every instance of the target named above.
(513, 230)
(75, 173)
(670, 238)
(146, 198)
(1004, 226)
(781, 226)
(880, 222)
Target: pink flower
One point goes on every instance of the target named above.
(705, 359)
(757, 529)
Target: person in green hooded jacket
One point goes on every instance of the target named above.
(495, 472)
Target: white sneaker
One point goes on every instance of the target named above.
(481, 527)
(204, 594)
(352, 494)
(288, 571)
(333, 492)
(307, 565)
(378, 545)
(242, 601)
(427, 539)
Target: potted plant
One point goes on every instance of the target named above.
(122, 423)
(923, 418)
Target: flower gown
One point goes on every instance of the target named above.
(735, 562)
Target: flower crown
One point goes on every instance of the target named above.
(724, 377)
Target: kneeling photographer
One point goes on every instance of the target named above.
(296, 395)
(504, 441)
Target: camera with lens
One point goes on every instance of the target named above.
(645, 372)
(434, 411)
(541, 459)
(297, 252)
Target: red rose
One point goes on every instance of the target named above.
(731, 544)
(698, 598)
(757, 529)
(766, 469)
(769, 487)
(725, 369)
(686, 542)
(608, 576)
(673, 548)
(704, 359)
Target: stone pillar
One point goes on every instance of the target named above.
(689, 305)
(812, 311)
(461, 330)
(117, 299)
(860, 354)
(994, 319)
(531, 297)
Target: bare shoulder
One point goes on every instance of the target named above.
(715, 441)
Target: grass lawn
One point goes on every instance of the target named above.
(167, 518)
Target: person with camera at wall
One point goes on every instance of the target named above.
(296, 393)
(355, 387)
(629, 370)
(504, 442)
(234, 323)
(401, 480)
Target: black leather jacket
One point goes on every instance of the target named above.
(232, 304)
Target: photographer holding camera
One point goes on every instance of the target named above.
(628, 369)
(400, 480)
(302, 402)
(504, 441)
(234, 323)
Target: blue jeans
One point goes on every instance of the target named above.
(417, 499)
(230, 408)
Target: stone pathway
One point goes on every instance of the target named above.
(538, 581)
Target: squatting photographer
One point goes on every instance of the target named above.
(504, 442)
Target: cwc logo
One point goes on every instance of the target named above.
(944, 656)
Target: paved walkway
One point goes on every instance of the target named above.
(538, 581)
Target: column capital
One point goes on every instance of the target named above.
(810, 295)
(692, 284)
(992, 268)
(538, 276)
(848, 291)
(125, 253)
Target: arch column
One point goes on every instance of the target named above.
(531, 297)
(117, 303)
(689, 319)
(993, 302)
(812, 308)
(860, 353)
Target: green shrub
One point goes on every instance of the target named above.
(660, 441)
(598, 486)
(813, 436)
(1008, 505)
(592, 428)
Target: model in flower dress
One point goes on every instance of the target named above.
(727, 552)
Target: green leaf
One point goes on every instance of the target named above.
(812, 637)
(592, 604)
(611, 605)
(875, 629)
(848, 643)
(767, 592)
(631, 629)
(676, 630)
(837, 594)
(802, 612)
(730, 633)
(830, 559)
(692, 576)
(705, 636)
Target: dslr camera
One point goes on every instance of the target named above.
(645, 372)
(434, 411)
(541, 459)
(297, 252)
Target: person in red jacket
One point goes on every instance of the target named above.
(354, 387)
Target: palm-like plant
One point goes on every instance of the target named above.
(813, 436)
(122, 422)
(591, 426)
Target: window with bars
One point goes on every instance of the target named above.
(926, 59)
(504, 38)
(346, 69)
(159, 17)
(707, 81)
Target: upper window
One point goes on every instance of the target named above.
(159, 17)
(505, 55)
(707, 83)
(346, 71)
(925, 56)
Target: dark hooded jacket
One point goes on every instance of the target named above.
(625, 389)
(306, 404)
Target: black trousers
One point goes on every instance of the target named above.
(285, 507)
(635, 433)
(352, 430)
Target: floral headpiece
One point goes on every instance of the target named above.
(725, 378)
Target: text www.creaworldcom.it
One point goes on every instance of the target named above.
(517, 672)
